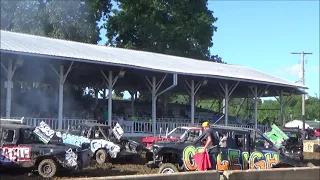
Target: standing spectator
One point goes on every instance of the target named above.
(250, 120)
(121, 121)
(238, 120)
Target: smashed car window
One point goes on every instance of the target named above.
(8, 135)
(28, 136)
(262, 142)
(239, 140)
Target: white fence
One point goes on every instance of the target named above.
(141, 127)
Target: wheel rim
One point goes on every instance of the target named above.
(101, 156)
(47, 169)
(167, 171)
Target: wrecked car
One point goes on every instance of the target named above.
(244, 149)
(293, 146)
(174, 135)
(27, 147)
(105, 143)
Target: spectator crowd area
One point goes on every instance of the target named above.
(42, 102)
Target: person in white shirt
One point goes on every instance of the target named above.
(223, 140)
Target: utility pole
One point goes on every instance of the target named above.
(302, 54)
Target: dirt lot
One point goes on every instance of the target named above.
(118, 168)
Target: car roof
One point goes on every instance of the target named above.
(91, 124)
(14, 125)
(289, 129)
(230, 128)
(188, 128)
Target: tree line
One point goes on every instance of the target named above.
(175, 27)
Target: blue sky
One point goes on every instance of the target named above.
(262, 35)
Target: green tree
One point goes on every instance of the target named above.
(179, 27)
(74, 20)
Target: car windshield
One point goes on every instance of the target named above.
(261, 136)
(28, 137)
(177, 133)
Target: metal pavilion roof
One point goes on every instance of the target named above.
(68, 50)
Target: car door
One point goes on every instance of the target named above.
(190, 149)
(236, 150)
(263, 154)
(10, 151)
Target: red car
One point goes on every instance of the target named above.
(174, 135)
(317, 132)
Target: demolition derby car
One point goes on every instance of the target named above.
(27, 147)
(174, 135)
(294, 144)
(245, 149)
(105, 143)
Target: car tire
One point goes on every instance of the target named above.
(101, 156)
(47, 168)
(168, 168)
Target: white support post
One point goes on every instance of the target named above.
(192, 90)
(193, 93)
(110, 89)
(255, 107)
(60, 112)
(111, 82)
(154, 105)
(280, 99)
(281, 108)
(9, 88)
(154, 88)
(227, 93)
(62, 79)
(226, 104)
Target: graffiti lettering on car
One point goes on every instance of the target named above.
(74, 140)
(233, 159)
(15, 153)
(111, 147)
(71, 158)
(44, 132)
(222, 164)
(188, 154)
(258, 160)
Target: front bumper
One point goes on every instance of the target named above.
(152, 165)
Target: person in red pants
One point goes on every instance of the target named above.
(212, 144)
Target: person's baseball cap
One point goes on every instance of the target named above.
(205, 124)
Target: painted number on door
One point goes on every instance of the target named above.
(15, 154)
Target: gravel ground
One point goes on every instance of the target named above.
(121, 167)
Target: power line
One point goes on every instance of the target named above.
(302, 54)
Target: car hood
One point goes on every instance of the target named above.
(175, 144)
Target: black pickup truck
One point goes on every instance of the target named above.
(245, 149)
(21, 147)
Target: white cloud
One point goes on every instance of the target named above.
(293, 70)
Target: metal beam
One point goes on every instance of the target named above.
(193, 89)
(10, 73)
(227, 93)
(60, 111)
(154, 88)
(255, 95)
(62, 78)
(110, 83)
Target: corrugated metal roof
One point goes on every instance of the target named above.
(23, 43)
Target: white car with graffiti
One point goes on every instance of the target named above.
(105, 143)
